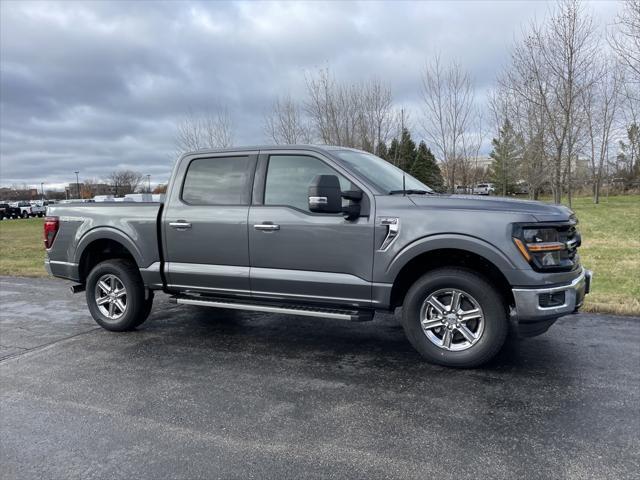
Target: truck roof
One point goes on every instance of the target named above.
(316, 148)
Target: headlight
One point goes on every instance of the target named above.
(547, 248)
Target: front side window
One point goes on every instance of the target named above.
(217, 181)
(289, 178)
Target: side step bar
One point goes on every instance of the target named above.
(352, 315)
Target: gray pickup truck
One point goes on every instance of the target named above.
(327, 232)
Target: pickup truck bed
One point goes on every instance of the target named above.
(134, 226)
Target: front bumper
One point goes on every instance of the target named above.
(529, 303)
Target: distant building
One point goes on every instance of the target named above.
(88, 190)
(481, 161)
(14, 194)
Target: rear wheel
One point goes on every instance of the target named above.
(115, 295)
(454, 317)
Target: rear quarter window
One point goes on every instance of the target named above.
(217, 181)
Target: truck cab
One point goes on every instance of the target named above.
(329, 232)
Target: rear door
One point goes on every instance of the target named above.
(297, 255)
(205, 224)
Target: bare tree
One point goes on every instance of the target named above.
(210, 130)
(89, 188)
(625, 40)
(332, 109)
(359, 115)
(448, 111)
(378, 114)
(516, 99)
(551, 69)
(124, 181)
(285, 123)
(600, 105)
(471, 145)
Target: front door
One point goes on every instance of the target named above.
(297, 255)
(205, 225)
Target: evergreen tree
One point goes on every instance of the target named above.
(393, 152)
(407, 152)
(506, 154)
(402, 153)
(426, 169)
(382, 151)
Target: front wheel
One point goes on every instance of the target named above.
(115, 295)
(455, 318)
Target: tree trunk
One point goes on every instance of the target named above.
(557, 179)
(569, 181)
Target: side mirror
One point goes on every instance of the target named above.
(325, 195)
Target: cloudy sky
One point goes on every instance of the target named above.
(94, 86)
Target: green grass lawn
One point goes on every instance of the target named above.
(22, 247)
(611, 248)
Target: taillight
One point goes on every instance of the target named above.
(51, 225)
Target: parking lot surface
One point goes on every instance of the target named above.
(204, 393)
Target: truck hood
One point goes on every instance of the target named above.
(543, 212)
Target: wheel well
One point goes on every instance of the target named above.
(99, 251)
(433, 259)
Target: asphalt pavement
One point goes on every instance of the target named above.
(204, 393)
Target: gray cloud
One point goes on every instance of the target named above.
(98, 86)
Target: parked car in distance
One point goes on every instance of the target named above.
(7, 211)
(25, 208)
(484, 189)
(462, 190)
(327, 232)
(522, 188)
(103, 198)
(76, 200)
(142, 197)
(38, 209)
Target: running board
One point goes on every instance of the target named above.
(338, 314)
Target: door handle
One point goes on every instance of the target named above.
(180, 225)
(267, 227)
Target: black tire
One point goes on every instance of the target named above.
(148, 305)
(25, 215)
(136, 307)
(495, 321)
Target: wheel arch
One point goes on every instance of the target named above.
(452, 255)
(104, 244)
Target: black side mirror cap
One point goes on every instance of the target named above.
(354, 195)
(325, 195)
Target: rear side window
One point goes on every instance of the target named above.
(289, 177)
(217, 181)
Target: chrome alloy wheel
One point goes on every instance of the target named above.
(111, 296)
(452, 319)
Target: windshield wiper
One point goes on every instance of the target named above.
(410, 192)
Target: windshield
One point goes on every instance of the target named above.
(379, 172)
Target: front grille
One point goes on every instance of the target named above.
(570, 236)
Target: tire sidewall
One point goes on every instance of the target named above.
(493, 308)
(135, 295)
